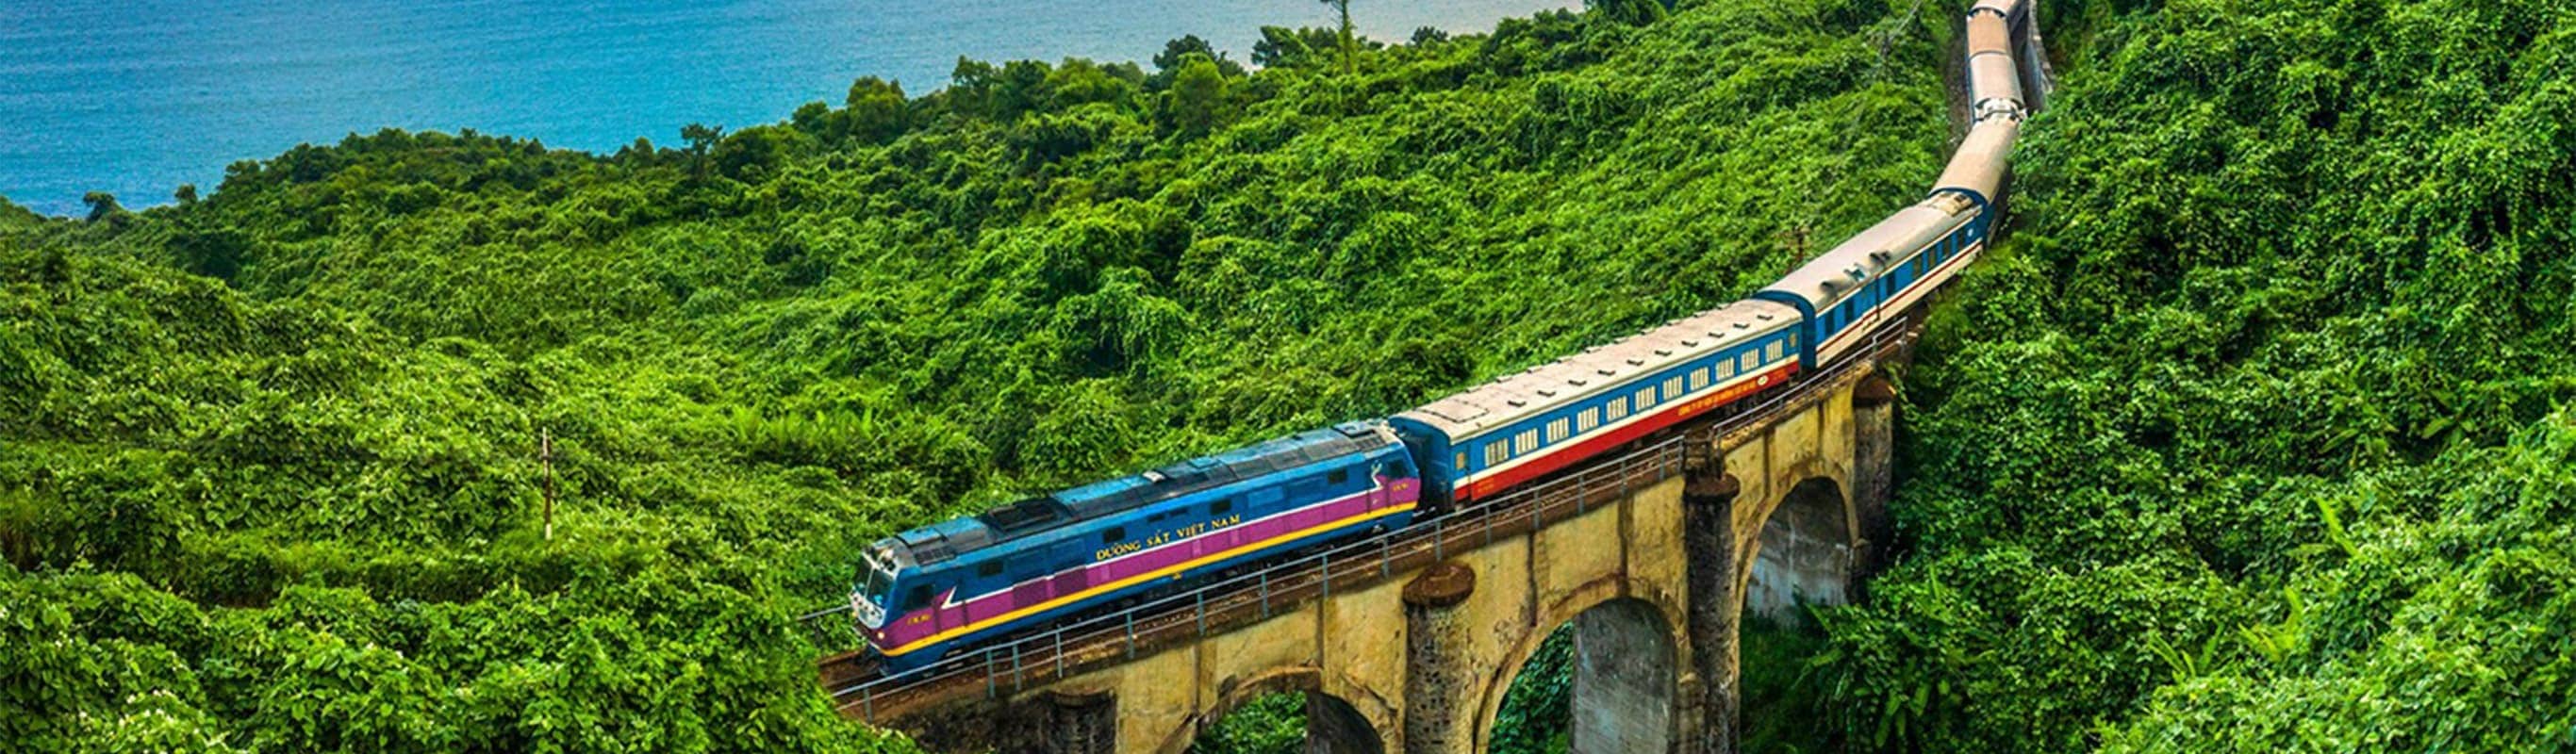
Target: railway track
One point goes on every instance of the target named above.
(1005, 668)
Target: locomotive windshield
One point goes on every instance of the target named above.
(879, 578)
(875, 582)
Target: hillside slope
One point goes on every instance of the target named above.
(2259, 436)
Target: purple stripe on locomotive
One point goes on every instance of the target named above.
(947, 620)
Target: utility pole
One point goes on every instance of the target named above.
(546, 460)
(1349, 45)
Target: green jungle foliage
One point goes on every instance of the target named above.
(270, 475)
(2259, 435)
(1273, 723)
(1781, 706)
(1537, 713)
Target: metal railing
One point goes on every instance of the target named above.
(1017, 664)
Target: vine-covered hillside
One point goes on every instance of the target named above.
(2259, 436)
(270, 470)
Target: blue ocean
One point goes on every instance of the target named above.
(137, 97)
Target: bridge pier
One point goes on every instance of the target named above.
(1436, 667)
(1708, 499)
(1080, 723)
(1873, 473)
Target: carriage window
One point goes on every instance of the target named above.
(1338, 476)
(1645, 399)
(1618, 408)
(1496, 452)
(1114, 534)
(989, 568)
(1462, 459)
(1525, 442)
(1751, 359)
(1725, 369)
(1591, 417)
(1699, 378)
(1398, 468)
(1793, 340)
(916, 599)
(1557, 430)
(1775, 351)
(1673, 386)
(1220, 507)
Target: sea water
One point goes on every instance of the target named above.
(139, 96)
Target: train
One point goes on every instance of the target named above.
(952, 586)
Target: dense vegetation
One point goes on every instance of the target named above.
(2259, 437)
(270, 470)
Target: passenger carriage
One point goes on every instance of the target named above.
(1526, 425)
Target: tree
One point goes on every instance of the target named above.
(1197, 97)
(702, 139)
(878, 110)
(1176, 54)
(102, 205)
(186, 195)
(1349, 47)
(752, 154)
(1000, 93)
(1283, 47)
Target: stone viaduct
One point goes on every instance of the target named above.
(1784, 507)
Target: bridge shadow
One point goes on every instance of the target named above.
(1806, 553)
(1602, 681)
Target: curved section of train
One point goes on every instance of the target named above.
(939, 589)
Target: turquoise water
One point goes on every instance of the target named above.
(135, 98)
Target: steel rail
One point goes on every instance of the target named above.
(1034, 658)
